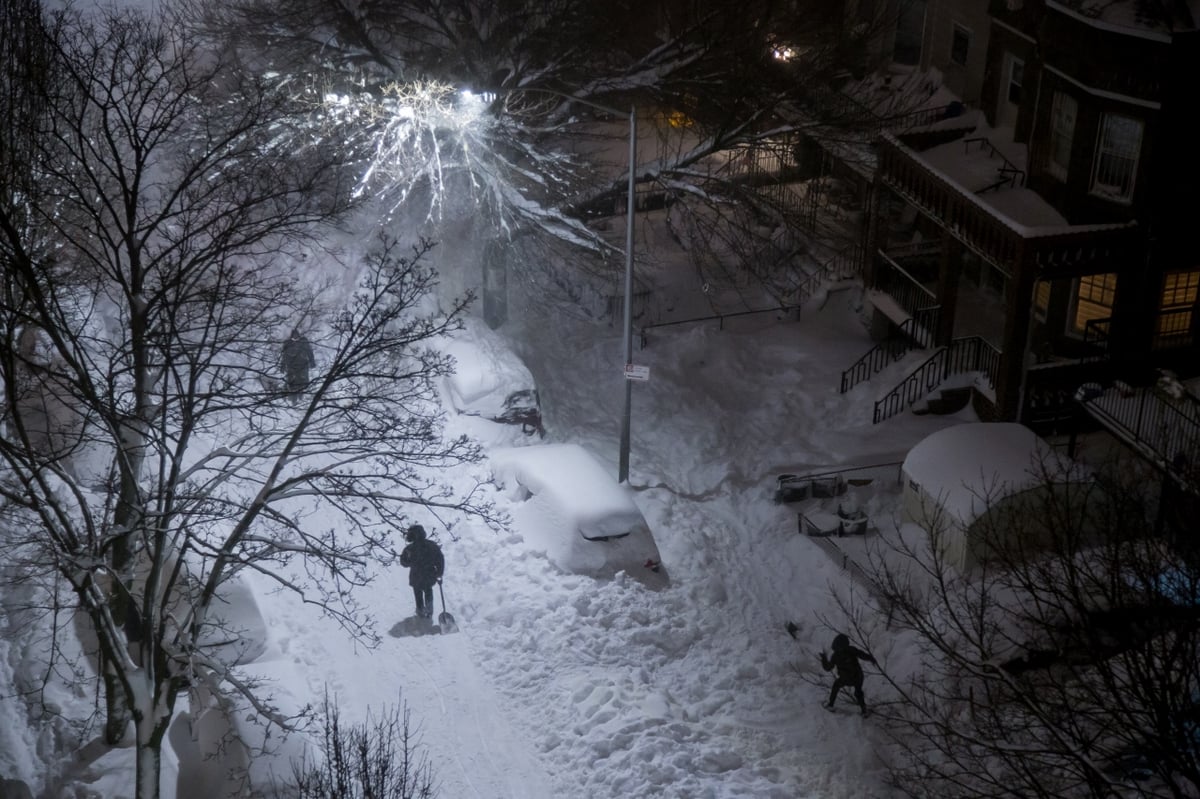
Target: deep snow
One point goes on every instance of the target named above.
(560, 685)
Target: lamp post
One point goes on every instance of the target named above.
(623, 462)
(627, 343)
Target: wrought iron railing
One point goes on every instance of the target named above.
(1174, 328)
(969, 354)
(1168, 427)
(914, 332)
(972, 221)
(1011, 175)
(1096, 333)
(906, 290)
(843, 264)
(920, 118)
(644, 339)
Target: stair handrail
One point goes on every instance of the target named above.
(965, 354)
(1007, 168)
(886, 352)
(832, 266)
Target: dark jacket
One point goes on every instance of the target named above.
(424, 561)
(845, 659)
(297, 357)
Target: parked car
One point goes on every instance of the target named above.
(490, 380)
(576, 512)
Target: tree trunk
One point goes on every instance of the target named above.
(117, 715)
(149, 760)
(129, 466)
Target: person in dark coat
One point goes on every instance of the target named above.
(296, 359)
(845, 659)
(425, 563)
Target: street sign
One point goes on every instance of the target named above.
(635, 372)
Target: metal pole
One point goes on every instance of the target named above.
(623, 461)
(623, 467)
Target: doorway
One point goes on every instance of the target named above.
(1011, 88)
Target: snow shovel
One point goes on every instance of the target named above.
(445, 620)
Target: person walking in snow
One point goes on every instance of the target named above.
(425, 563)
(296, 359)
(845, 659)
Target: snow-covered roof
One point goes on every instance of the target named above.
(1150, 20)
(966, 466)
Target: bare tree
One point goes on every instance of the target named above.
(709, 78)
(380, 758)
(150, 453)
(1066, 664)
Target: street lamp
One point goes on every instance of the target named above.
(623, 461)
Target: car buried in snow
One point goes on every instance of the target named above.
(573, 510)
(489, 380)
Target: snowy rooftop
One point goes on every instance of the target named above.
(973, 166)
(1132, 15)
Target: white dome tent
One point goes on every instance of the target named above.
(964, 480)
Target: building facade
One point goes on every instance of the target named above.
(1044, 239)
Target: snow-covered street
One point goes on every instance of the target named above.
(563, 686)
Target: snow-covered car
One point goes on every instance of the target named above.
(489, 380)
(574, 511)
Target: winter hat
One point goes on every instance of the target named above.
(415, 533)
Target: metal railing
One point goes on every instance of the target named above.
(1174, 328)
(792, 486)
(719, 317)
(915, 333)
(982, 228)
(843, 264)
(846, 263)
(968, 354)
(916, 119)
(1009, 172)
(1168, 428)
(906, 290)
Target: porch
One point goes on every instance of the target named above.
(959, 243)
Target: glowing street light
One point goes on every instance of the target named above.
(405, 132)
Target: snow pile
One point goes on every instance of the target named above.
(562, 685)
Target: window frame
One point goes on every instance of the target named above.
(1014, 65)
(1058, 136)
(1177, 303)
(1096, 187)
(1077, 299)
(966, 37)
(1042, 291)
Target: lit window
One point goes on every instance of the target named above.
(1093, 299)
(1180, 292)
(1117, 156)
(1041, 298)
(1180, 288)
(1062, 130)
(960, 45)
